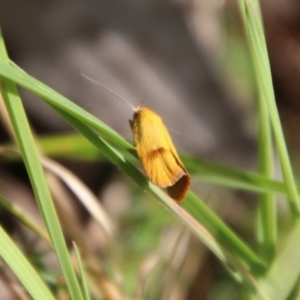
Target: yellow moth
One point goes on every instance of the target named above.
(156, 151)
(158, 155)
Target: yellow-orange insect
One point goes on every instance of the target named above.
(158, 155)
(156, 151)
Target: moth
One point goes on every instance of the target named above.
(158, 155)
(156, 151)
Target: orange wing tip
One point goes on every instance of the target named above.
(179, 189)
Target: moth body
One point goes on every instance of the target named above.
(158, 155)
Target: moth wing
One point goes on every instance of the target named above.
(180, 188)
(158, 155)
(158, 159)
(162, 168)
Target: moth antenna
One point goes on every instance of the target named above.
(108, 89)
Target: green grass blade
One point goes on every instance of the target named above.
(24, 219)
(266, 210)
(18, 76)
(222, 233)
(71, 146)
(36, 175)
(231, 177)
(61, 102)
(86, 294)
(193, 204)
(259, 52)
(284, 272)
(39, 184)
(23, 269)
(70, 111)
(74, 146)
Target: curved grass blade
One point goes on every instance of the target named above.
(23, 269)
(193, 204)
(86, 294)
(75, 146)
(253, 23)
(18, 213)
(284, 272)
(36, 175)
(70, 110)
(53, 98)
